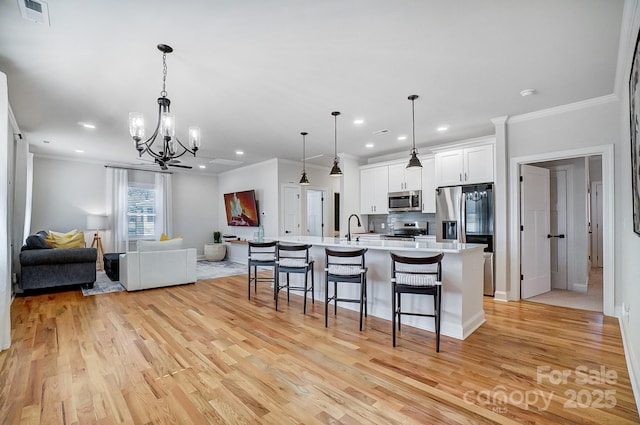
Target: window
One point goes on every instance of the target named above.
(141, 211)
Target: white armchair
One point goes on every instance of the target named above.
(157, 264)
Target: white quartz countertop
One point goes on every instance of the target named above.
(388, 245)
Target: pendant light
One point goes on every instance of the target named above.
(304, 181)
(414, 162)
(335, 170)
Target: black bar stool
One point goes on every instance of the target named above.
(261, 254)
(345, 267)
(416, 275)
(294, 259)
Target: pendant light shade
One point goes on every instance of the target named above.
(414, 162)
(304, 181)
(335, 170)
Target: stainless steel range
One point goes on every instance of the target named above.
(407, 230)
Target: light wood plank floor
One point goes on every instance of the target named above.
(204, 354)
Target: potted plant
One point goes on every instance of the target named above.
(215, 251)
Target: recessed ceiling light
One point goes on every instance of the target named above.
(401, 138)
(527, 92)
(443, 128)
(202, 166)
(238, 152)
(86, 125)
(79, 151)
(358, 121)
(369, 145)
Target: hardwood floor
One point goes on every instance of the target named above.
(203, 354)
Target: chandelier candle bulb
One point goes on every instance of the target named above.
(136, 126)
(194, 138)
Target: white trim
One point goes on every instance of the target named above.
(557, 110)
(478, 141)
(608, 233)
(630, 355)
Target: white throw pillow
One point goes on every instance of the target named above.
(146, 246)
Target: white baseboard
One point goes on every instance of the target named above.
(578, 287)
(633, 359)
(501, 296)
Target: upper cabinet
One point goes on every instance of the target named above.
(374, 188)
(401, 178)
(428, 184)
(467, 165)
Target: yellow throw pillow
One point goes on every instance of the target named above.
(61, 236)
(74, 241)
(164, 237)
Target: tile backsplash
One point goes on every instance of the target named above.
(384, 223)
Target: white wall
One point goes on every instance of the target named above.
(261, 177)
(196, 208)
(61, 200)
(6, 141)
(64, 193)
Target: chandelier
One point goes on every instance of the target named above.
(169, 147)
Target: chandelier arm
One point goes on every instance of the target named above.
(186, 149)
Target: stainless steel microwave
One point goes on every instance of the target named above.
(410, 200)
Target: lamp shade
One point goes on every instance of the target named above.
(97, 222)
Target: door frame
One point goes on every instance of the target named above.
(608, 236)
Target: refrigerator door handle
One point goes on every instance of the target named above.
(463, 218)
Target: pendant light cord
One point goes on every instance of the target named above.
(413, 123)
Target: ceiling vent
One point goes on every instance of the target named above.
(35, 11)
(222, 161)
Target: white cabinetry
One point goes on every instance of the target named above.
(428, 184)
(374, 188)
(402, 178)
(464, 166)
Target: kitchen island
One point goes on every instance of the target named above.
(462, 279)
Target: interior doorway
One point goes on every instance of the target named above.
(316, 212)
(572, 282)
(584, 283)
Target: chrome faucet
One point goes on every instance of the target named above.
(349, 225)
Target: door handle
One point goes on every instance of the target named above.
(561, 236)
(287, 231)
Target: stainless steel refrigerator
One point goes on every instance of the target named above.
(465, 214)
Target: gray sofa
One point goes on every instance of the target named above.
(45, 267)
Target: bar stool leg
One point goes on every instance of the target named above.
(394, 312)
(326, 301)
(304, 308)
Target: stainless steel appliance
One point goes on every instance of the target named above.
(407, 230)
(410, 200)
(465, 214)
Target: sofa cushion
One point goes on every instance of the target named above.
(164, 237)
(146, 246)
(53, 234)
(36, 242)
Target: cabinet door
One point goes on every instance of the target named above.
(478, 164)
(412, 177)
(367, 190)
(449, 168)
(428, 185)
(374, 188)
(380, 189)
(396, 177)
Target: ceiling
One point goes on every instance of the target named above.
(253, 74)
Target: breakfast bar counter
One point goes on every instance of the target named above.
(462, 280)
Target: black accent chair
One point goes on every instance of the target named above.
(261, 254)
(420, 276)
(345, 267)
(294, 258)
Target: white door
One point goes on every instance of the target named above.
(558, 228)
(291, 210)
(596, 224)
(534, 244)
(315, 212)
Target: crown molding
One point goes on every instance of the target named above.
(558, 110)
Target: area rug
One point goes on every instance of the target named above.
(204, 270)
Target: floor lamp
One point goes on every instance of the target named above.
(98, 222)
